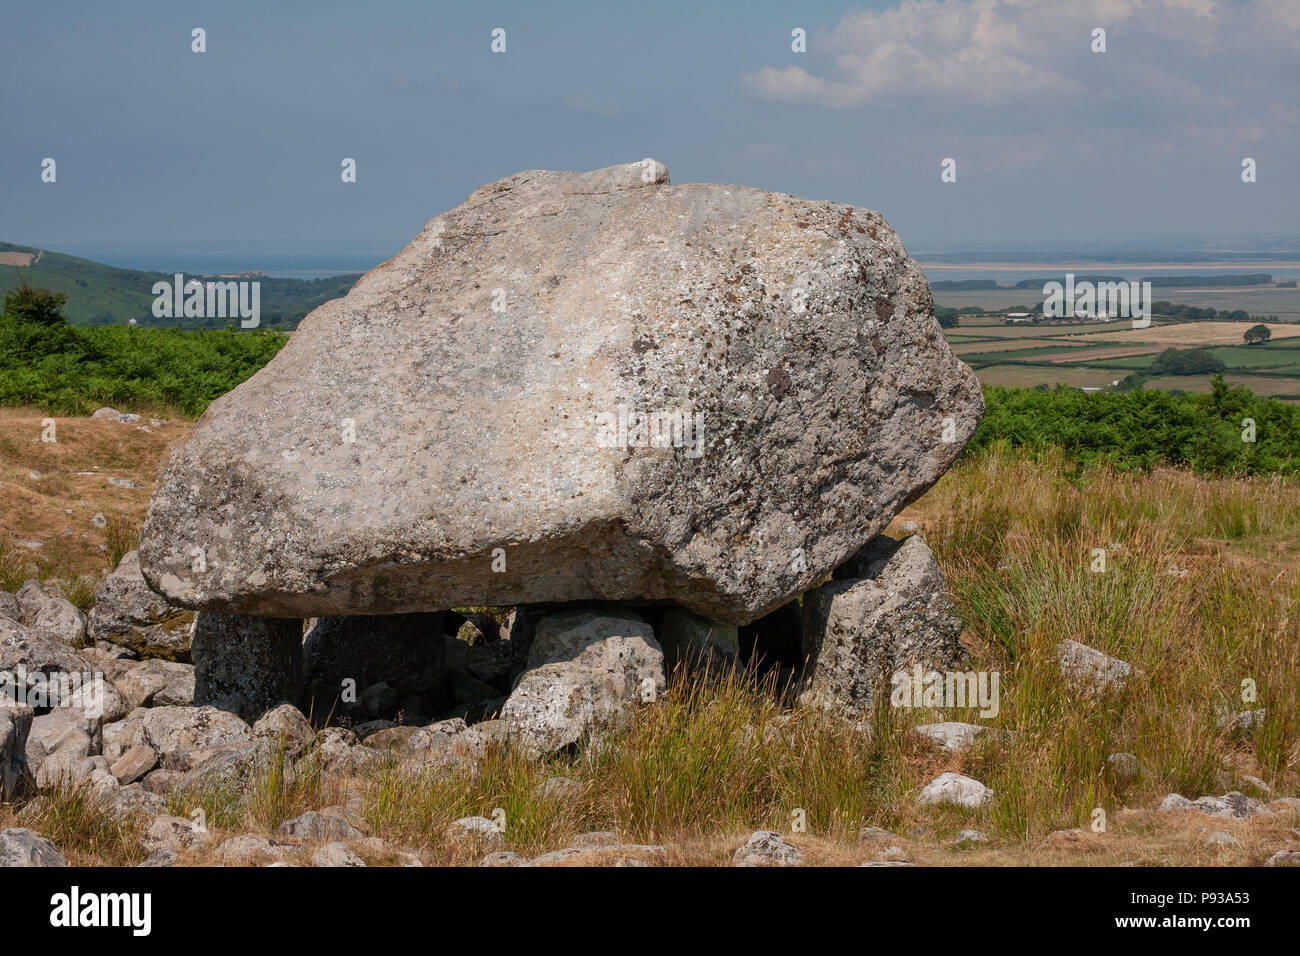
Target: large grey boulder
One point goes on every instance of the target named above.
(586, 670)
(129, 613)
(887, 610)
(576, 386)
(246, 665)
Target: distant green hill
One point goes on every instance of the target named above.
(105, 295)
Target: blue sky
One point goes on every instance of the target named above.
(1055, 145)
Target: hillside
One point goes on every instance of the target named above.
(99, 294)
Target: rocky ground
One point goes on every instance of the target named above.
(685, 773)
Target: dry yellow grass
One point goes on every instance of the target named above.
(46, 526)
(1202, 590)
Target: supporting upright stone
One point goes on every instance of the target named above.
(246, 665)
(886, 610)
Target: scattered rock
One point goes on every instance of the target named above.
(24, 649)
(1257, 784)
(1091, 670)
(134, 764)
(1242, 724)
(886, 863)
(1174, 801)
(174, 833)
(952, 736)
(1232, 804)
(967, 837)
(880, 837)
(330, 823)
(21, 847)
(162, 782)
(390, 738)
(285, 726)
(956, 789)
(1280, 858)
(131, 802)
(231, 769)
(604, 838)
(129, 613)
(501, 858)
(475, 831)
(1219, 838)
(157, 683)
(340, 751)
(447, 743)
(51, 616)
(766, 848)
(336, 854)
(15, 726)
(248, 849)
(170, 729)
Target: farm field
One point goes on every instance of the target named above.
(1096, 355)
(1261, 300)
(1183, 334)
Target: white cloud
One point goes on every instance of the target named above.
(988, 53)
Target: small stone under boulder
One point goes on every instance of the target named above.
(586, 669)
